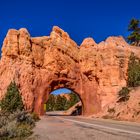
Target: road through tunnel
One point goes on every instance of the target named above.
(63, 101)
(89, 102)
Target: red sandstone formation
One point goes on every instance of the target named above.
(128, 111)
(73, 109)
(39, 65)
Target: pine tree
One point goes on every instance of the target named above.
(134, 28)
(12, 100)
(133, 71)
(50, 103)
(60, 103)
(74, 98)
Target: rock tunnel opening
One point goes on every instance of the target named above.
(63, 101)
(85, 94)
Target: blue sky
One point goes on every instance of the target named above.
(61, 90)
(80, 18)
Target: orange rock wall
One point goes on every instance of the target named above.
(39, 65)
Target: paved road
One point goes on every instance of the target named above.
(80, 128)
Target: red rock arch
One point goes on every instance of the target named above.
(96, 72)
(89, 106)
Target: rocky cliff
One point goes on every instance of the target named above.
(39, 65)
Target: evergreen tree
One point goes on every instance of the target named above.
(134, 28)
(133, 71)
(60, 103)
(67, 105)
(12, 100)
(50, 103)
(74, 98)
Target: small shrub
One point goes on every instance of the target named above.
(24, 130)
(11, 129)
(35, 116)
(12, 100)
(111, 110)
(16, 125)
(25, 118)
(124, 94)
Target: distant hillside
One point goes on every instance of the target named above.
(61, 102)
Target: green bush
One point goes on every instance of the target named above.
(124, 94)
(12, 100)
(50, 103)
(133, 78)
(24, 130)
(74, 98)
(133, 71)
(60, 103)
(16, 125)
(35, 116)
(25, 118)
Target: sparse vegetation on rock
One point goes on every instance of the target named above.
(128, 102)
(111, 110)
(124, 94)
(133, 78)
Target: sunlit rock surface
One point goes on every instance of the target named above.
(39, 65)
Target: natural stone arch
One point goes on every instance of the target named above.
(96, 72)
(88, 106)
(58, 84)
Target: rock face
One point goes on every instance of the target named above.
(73, 109)
(39, 65)
(126, 111)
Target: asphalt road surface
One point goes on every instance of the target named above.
(79, 128)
